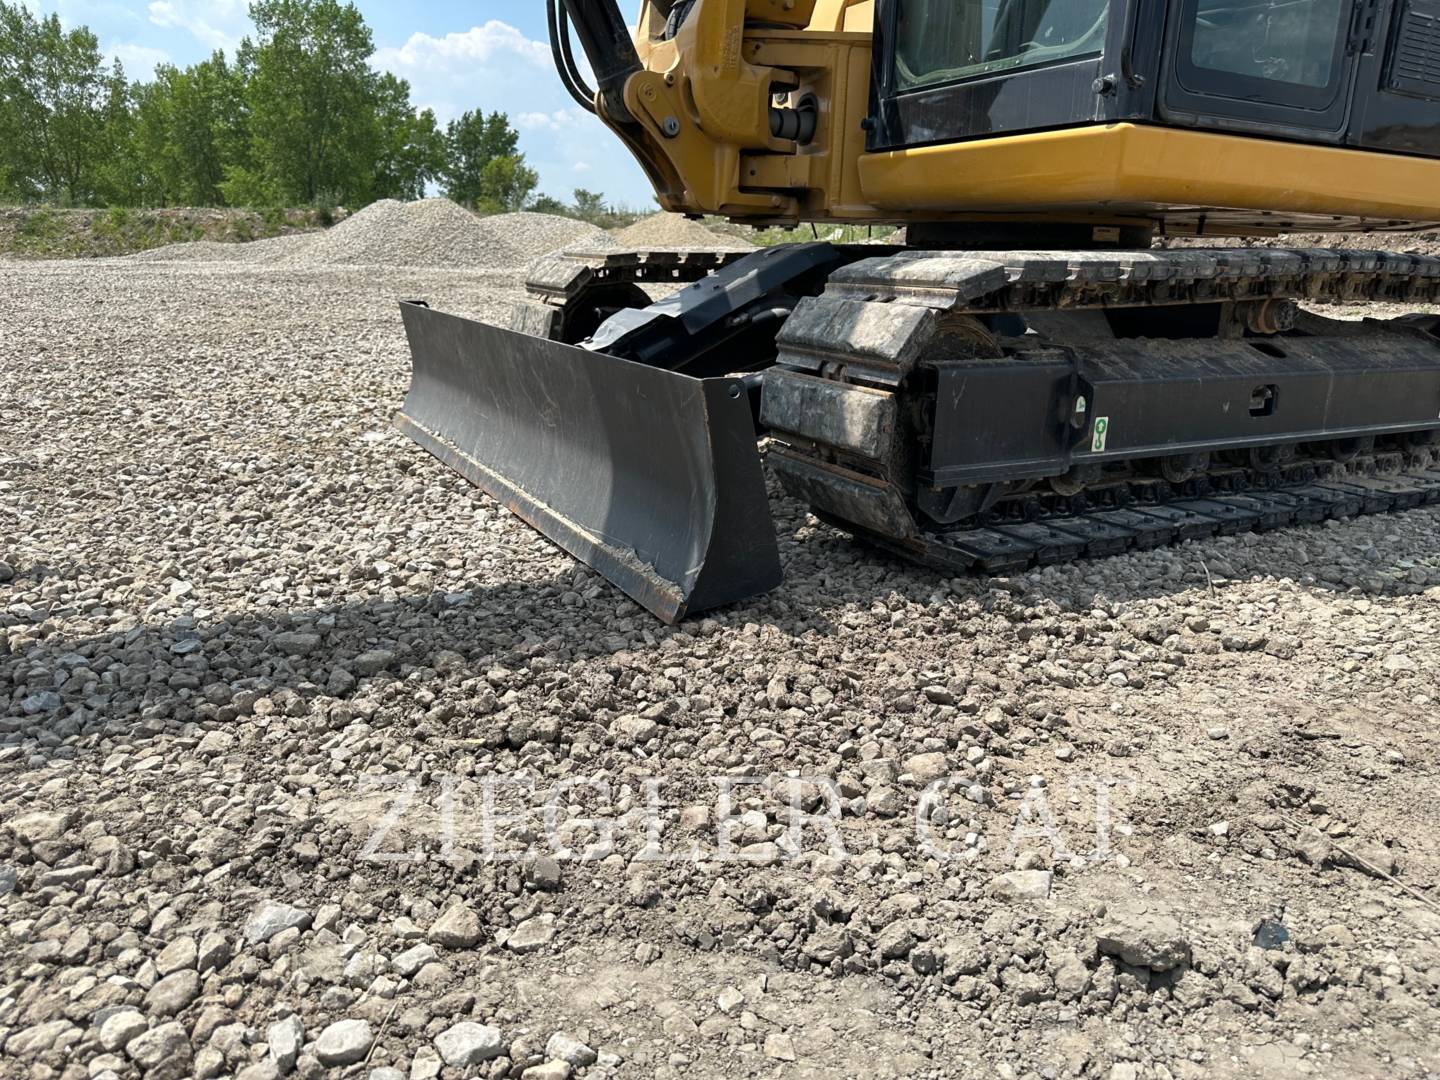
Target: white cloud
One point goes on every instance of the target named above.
(496, 68)
(478, 45)
(559, 120)
(218, 24)
(140, 60)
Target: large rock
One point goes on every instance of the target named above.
(344, 1043)
(38, 1038)
(632, 730)
(271, 918)
(122, 1028)
(1022, 885)
(925, 769)
(296, 643)
(373, 662)
(166, 1043)
(46, 701)
(171, 994)
(1142, 939)
(532, 934)
(39, 826)
(285, 1038)
(458, 928)
(412, 960)
(179, 955)
(567, 1048)
(213, 952)
(469, 1043)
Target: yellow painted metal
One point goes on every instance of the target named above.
(795, 13)
(1132, 169)
(851, 15)
(731, 96)
(703, 135)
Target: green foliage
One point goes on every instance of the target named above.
(298, 117)
(506, 184)
(588, 206)
(55, 88)
(244, 186)
(483, 164)
(190, 127)
(411, 148)
(44, 232)
(804, 234)
(311, 96)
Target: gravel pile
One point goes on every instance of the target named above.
(528, 237)
(261, 659)
(674, 231)
(429, 233)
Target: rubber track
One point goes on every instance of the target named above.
(877, 317)
(1019, 545)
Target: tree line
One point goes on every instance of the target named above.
(297, 117)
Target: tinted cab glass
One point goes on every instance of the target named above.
(1261, 64)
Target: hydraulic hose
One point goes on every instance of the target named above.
(560, 50)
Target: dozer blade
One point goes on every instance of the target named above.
(652, 478)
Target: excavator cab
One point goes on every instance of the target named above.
(1348, 72)
(1022, 376)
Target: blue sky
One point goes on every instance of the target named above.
(490, 55)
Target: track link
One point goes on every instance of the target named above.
(1059, 538)
(569, 295)
(857, 363)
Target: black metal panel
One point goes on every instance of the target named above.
(726, 322)
(1146, 398)
(1118, 85)
(1397, 101)
(1000, 419)
(651, 477)
(1414, 63)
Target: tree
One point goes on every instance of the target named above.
(471, 143)
(411, 147)
(507, 184)
(311, 95)
(298, 117)
(55, 87)
(590, 205)
(548, 204)
(120, 176)
(189, 126)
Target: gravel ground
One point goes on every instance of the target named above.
(238, 615)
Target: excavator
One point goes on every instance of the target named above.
(1037, 366)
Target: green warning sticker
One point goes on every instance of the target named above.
(1102, 434)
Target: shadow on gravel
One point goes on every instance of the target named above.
(454, 650)
(466, 650)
